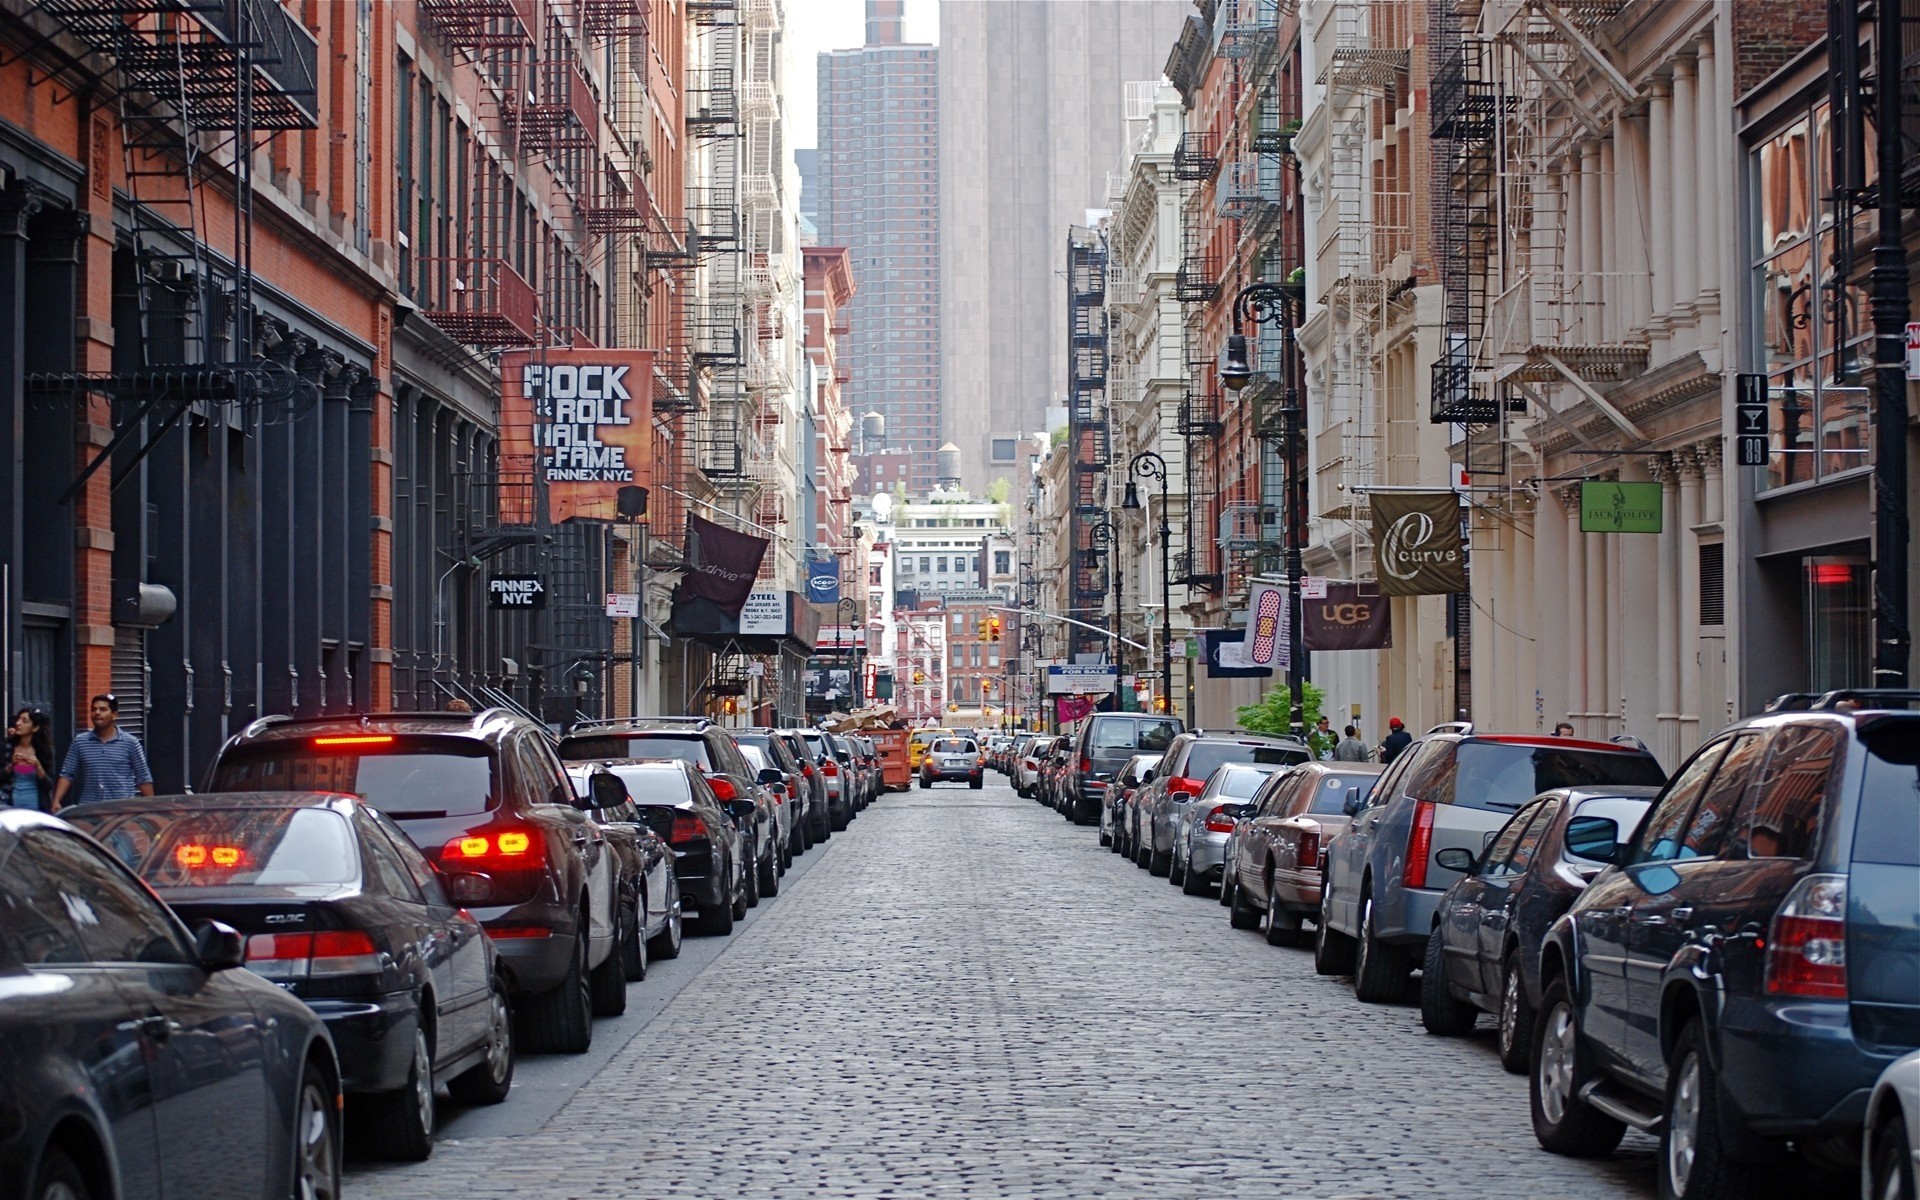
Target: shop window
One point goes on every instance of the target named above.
(1839, 624)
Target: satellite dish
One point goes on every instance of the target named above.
(882, 503)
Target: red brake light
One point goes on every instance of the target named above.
(358, 739)
(830, 768)
(196, 856)
(723, 789)
(506, 848)
(686, 829)
(330, 952)
(806, 770)
(1086, 764)
(1308, 853)
(1189, 787)
(1420, 843)
(1807, 942)
(1218, 821)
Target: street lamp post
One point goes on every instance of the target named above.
(1282, 305)
(849, 609)
(1102, 533)
(1148, 465)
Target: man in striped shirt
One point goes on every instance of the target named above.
(103, 763)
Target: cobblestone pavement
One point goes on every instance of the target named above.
(966, 996)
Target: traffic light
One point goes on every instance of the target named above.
(919, 676)
(985, 626)
(1159, 704)
(993, 629)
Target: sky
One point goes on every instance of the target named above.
(817, 25)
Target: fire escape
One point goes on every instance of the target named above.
(1088, 432)
(1196, 165)
(718, 317)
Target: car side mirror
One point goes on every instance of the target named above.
(218, 946)
(741, 810)
(1596, 839)
(772, 775)
(605, 790)
(1453, 858)
(1353, 804)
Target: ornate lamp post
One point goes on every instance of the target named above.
(1103, 534)
(1148, 465)
(1282, 305)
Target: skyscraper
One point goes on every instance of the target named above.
(878, 195)
(1032, 118)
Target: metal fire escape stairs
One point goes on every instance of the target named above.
(1089, 433)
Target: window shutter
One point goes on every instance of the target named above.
(1713, 583)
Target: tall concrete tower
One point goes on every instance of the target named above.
(1032, 118)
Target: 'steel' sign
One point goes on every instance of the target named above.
(1750, 420)
(516, 591)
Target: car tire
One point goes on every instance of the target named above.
(1240, 914)
(1891, 1166)
(398, 1125)
(1143, 856)
(718, 920)
(769, 878)
(1159, 863)
(607, 983)
(315, 1136)
(633, 946)
(976, 783)
(1562, 1122)
(925, 783)
(1696, 1160)
(1106, 839)
(1332, 950)
(1516, 1019)
(750, 887)
(1281, 927)
(489, 1080)
(1176, 869)
(666, 943)
(1380, 972)
(560, 1020)
(797, 844)
(1192, 882)
(1440, 1013)
(59, 1179)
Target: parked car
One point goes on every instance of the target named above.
(734, 781)
(1890, 1154)
(785, 821)
(797, 792)
(1190, 759)
(1054, 774)
(1446, 790)
(127, 1038)
(953, 760)
(1748, 967)
(833, 771)
(1103, 745)
(484, 798)
(709, 857)
(819, 811)
(1274, 854)
(863, 772)
(655, 891)
(1116, 828)
(340, 909)
(1201, 828)
(1484, 952)
(1026, 774)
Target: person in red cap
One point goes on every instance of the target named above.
(1396, 740)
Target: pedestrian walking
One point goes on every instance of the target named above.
(104, 763)
(1351, 748)
(31, 777)
(1321, 740)
(1397, 739)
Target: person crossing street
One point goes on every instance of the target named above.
(104, 763)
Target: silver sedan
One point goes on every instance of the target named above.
(1201, 827)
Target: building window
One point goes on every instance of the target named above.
(943, 562)
(1839, 623)
(1002, 561)
(1004, 449)
(924, 568)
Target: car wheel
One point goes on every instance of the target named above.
(316, 1138)
(560, 1021)
(718, 920)
(1240, 914)
(1696, 1163)
(797, 845)
(1332, 950)
(666, 943)
(925, 783)
(1380, 973)
(1192, 882)
(1891, 1165)
(1440, 1013)
(607, 983)
(489, 1081)
(1159, 862)
(769, 878)
(1106, 839)
(633, 947)
(1563, 1123)
(1143, 856)
(59, 1179)
(751, 895)
(1176, 868)
(398, 1125)
(1281, 927)
(1516, 1019)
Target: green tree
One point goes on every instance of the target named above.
(1270, 716)
(1059, 436)
(1000, 489)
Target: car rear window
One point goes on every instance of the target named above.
(1890, 794)
(953, 746)
(1501, 777)
(1127, 733)
(228, 847)
(1207, 757)
(1330, 794)
(1240, 784)
(688, 748)
(401, 776)
(653, 785)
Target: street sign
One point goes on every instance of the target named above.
(1082, 679)
(516, 591)
(1313, 587)
(623, 604)
(1750, 420)
(1913, 349)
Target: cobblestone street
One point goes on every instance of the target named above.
(963, 995)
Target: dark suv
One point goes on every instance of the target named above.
(1182, 774)
(1103, 746)
(711, 750)
(485, 799)
(1750, 963)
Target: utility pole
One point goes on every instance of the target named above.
(1892, 636)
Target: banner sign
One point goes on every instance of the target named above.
(623, 604)
(1082, 680)
(721, 564)
(823, 581)
(1610, 507)
(516, 591)
(841, 639)
(1226, 651)
(1068, 709)
(1346, 619)
(1266, 633)
(1417, 547)
(580, 421)
(764, 615)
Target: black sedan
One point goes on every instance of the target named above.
(125, 1038)
(1484, 952)
(704, 834)
(342, 911)
(650, 888)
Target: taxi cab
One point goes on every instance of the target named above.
(918, 743)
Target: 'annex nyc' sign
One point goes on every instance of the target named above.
(581, 420)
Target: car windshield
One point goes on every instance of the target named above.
(1330, 795)
(685, 747)
(227, 847)
(1503, 776)
(1207, 757)
(401, 776)
(953, 746)
(654, 785)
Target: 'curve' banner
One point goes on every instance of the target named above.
(1417, 547)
